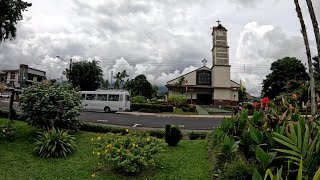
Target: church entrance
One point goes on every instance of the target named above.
(204, 99)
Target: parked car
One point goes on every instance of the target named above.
(4, 95)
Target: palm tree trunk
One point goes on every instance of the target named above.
(306, 42)
(315, 27)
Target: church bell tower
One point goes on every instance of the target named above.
(220, 65)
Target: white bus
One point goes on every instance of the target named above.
(106, 100)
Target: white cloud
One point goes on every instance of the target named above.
(161, 39)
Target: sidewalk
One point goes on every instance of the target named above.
(172, 115)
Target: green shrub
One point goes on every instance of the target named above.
(197, 135)
(156, 133)
(129, 153)
(172, 135)
(49, 105)
(98, 128)
(184, 109)
(138, 99)
(178, 101)
(54, 143)
(8, 130)
(149, 110)
(192, 108)
(161, 108)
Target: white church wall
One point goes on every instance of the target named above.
(222, 94)
(221, 76)
(234, 96)
(191, 78)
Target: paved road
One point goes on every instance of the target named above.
(158, 121)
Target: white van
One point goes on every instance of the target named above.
(106, 100)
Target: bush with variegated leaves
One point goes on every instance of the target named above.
(129, 153)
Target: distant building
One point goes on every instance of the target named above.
(2, 76)
(210, 85)
(22, 77)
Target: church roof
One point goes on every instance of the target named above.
(220, 27)
(203, 67)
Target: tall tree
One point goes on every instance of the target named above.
(242, 94)
(282, 71)
(10, 14)
(105, 84)
(306, 42)
(316, 66)
(140, 86)
(85, 75)
(120, 78)
(179, 84)
(315, 26)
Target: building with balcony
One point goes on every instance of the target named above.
(22, 77)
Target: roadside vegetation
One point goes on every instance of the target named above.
(276, 143)
(187, 160)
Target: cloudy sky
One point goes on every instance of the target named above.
(159, 38)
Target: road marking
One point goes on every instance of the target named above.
(135, 125)
(101, 120)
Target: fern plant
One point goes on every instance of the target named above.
(54, 143)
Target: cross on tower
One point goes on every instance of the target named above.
(204, 61)
(218, 22)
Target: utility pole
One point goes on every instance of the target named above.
(70, 66)
(111, 78)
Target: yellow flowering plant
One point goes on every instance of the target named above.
(129, 153)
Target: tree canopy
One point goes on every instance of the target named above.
(140, 86)
(86, 75)
(282, 71)
(120, 78)
(10, 14)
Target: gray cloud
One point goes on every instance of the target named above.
(161, 39)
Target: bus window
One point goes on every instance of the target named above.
(83, 96)
(113, 97)
(121, 97)
(127, 98)
(90, 97)
(102, 97)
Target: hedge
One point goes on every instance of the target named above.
(193, 135)
(149, 110)
(161, 108)
(98, 128)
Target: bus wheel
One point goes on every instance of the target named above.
(107, 109)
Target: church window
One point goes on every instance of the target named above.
(203, 77)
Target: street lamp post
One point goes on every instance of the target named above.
(70, 64)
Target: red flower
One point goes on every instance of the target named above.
(265, 102)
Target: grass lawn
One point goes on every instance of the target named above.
(186, 161)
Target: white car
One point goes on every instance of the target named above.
(5, 95)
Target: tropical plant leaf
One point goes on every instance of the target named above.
(256, 135)
(317, 175)
(299, 177)
(256, 175)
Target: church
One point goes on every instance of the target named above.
(209, 86)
